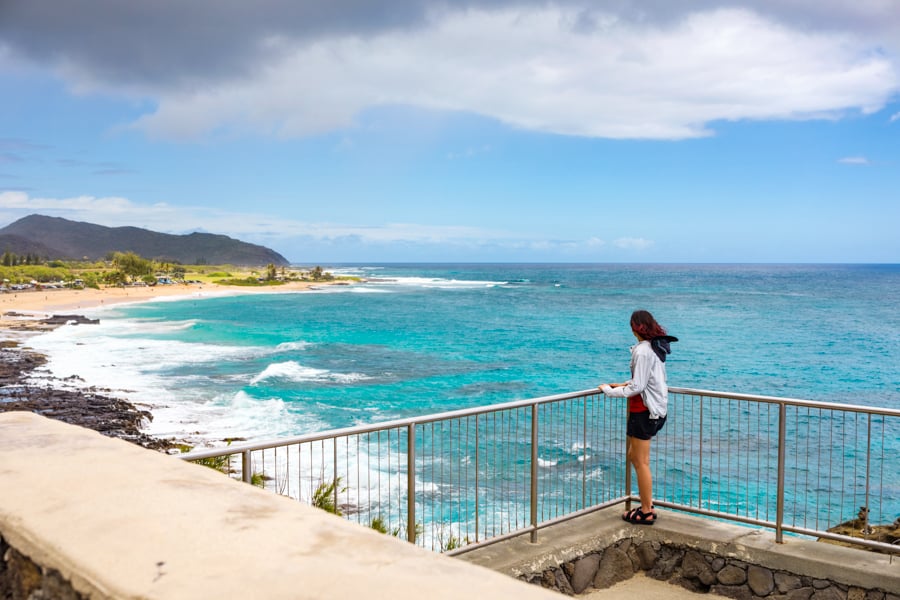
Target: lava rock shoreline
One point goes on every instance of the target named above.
(89, 407)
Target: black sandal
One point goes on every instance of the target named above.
(638, 517)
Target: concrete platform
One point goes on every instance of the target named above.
(576, 538)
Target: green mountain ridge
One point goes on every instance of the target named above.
(58, 238)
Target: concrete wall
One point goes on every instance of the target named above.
(85, 516)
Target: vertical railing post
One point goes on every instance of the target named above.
(584, 440)
(700, 480)
(534, 472)
(627, 464)
(411, 483)
(334, 471)
(779, 507)
(246, 469)
(866, 529)
(477, 467)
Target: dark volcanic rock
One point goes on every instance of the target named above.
(15, 363)
(88, 408)
(63, 319)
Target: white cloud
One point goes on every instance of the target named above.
(895, 117)
(532, 68)
(469, 152)
(854, 160)
(633, 243)
(278, 232)
(111, 206)
(118, 212)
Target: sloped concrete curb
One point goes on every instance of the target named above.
(113, 520)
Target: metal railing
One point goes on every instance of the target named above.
(482, 475)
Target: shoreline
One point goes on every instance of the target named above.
(90, 407)
(38, 302)
(24, 314)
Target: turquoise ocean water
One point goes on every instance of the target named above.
(420, 338)
(416, 339)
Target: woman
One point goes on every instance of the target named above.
(648, 400)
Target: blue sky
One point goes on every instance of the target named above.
(350, 131)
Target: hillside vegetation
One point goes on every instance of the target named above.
(127, 268)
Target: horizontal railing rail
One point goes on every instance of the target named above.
(461, 479)
(360, 429)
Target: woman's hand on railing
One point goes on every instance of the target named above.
(609, 386)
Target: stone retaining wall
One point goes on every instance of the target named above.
(695, 570)
(21, 579)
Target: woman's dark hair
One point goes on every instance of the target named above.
(643, 324)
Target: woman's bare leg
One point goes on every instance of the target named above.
(639, 457)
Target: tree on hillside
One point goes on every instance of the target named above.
(132, 265)
(91, 280)
(114, 278)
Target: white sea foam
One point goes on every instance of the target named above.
(547, 463)
(70, 351)
(427, 487)
(294, 371)
(289, 346)
(116, 356)
(237, 415)
(145, 326)
(161, 326)
(128, 349)
(375, 280)
(366, 290)
(594, 474)
(432, 282)
(343, 289)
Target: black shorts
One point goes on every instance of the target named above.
(642, 427)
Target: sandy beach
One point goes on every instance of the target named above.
(44, 303)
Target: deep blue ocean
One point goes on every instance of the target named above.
(421, 338)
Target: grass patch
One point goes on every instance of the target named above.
(248, 282)
(379, 525)
(451, 542)
(324, 496)
(219, 463)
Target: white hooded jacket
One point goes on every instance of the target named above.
(648, 378)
